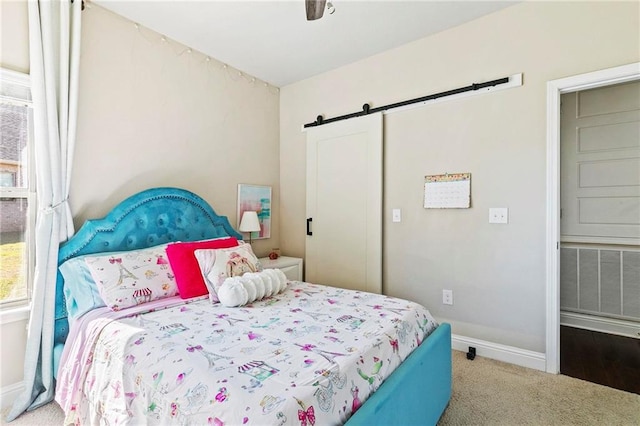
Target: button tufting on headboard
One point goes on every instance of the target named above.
(162, 219)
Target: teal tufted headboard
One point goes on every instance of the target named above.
(149, 218)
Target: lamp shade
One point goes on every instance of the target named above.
(250, 222)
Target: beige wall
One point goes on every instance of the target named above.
(208, 130)
(14, 35)
(14, 55)
(152, 114)
(496, 272)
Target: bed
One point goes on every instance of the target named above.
(291, 358)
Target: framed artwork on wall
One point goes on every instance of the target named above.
(256, 198)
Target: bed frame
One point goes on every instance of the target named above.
(417, 393)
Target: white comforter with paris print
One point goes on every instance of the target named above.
(309, 355)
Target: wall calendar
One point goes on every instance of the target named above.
(447, 191)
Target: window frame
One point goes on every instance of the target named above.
(15, 78)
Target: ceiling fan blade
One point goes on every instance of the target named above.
(315, 9)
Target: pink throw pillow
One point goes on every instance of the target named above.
(185, 265)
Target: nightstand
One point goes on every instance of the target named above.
(291, 266)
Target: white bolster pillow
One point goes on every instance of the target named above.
(282, 278)
(233, 292)
(251, 282)
(278, 278)
(258, 281)
(271, 286)
(238, 291)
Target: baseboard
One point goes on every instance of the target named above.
(510, 354)
(9, 393)
(601, 324)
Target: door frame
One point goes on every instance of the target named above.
(555, 89)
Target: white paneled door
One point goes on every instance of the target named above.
(344, 204)
(600, 169)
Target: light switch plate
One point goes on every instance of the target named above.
(397, 215)
(499, 215)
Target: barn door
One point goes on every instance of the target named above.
(344, 204)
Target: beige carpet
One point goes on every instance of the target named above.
(487, 392)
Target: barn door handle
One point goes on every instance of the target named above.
(309, 220)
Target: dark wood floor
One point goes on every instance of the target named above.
(602, 358)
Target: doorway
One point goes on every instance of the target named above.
(600, 235)
(555, 89)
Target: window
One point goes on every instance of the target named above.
(7, 179)
(17, 189)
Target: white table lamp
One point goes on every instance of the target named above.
(250, 223)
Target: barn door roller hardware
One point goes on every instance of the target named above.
(506, 82)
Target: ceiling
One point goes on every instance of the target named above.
(273, 41)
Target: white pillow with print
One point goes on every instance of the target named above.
(130, 278)
(217, 265)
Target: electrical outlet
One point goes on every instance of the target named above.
(447, 297)
(498, 215)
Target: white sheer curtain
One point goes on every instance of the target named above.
(54, 44)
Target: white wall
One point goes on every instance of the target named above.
(496, 272)
(14, 55)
